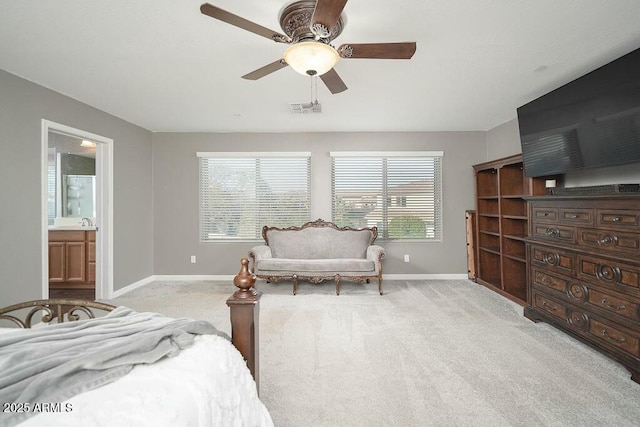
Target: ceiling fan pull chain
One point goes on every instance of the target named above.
(314, 96)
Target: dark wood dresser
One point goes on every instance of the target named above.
(583, 270)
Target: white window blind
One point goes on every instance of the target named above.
(399, 192)
(51, 192)
(240, 193)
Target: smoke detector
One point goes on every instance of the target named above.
(306, 108)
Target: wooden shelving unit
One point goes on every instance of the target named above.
(502, 224)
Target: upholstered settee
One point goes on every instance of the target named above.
(318, 251)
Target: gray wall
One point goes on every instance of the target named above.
(156, 189)
(175, 171)
(22, 107)
(504, 140)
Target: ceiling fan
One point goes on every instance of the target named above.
(309, 27)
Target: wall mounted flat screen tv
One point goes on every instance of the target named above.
(591, 122)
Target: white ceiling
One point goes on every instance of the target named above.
(164, 66)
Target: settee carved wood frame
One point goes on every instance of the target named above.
(319, 278)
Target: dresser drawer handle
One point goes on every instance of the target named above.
(553, 232)
(606, 335)
(574, 216)
(551, 307)
(545, 281)
(615, 307)
(615, 219)
(607, 240)
(608, 274)
(551, 258)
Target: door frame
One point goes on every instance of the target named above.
(104, 207)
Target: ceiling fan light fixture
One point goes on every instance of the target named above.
(311, 58)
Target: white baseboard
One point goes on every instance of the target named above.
(131, 287)
(424, 276)
(188, 277)
(229, 278)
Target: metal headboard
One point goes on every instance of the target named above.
(60, 309)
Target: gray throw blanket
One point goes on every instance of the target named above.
(55, 362)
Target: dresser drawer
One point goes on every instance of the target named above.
(610, 241)
(609, 273)
(548, 280)
(553, 232)
(620, 219)
(576, 216)
(553, 259)
(549, 306)
(616, 336)
(615, 304)
(544, 214)
(585, 295)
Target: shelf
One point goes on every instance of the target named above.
(489, 224)
(491, 271)
(515, 237)
(487, 182)
(518, 217)
(513, 207)
(512, 179)
(515, 258)
(503, 224)
(494, 250)
(489, 240)
(488, 207)
(515, 277)
(515, 227)
(514, 247)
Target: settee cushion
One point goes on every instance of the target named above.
(319, 243)
(329, 266)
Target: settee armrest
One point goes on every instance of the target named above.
(260, 252)
(375, 253)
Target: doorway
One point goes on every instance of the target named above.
(77, 182)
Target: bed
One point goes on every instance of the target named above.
(58, 368)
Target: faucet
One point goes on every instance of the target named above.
(86, 222)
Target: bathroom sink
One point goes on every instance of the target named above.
(71, 227)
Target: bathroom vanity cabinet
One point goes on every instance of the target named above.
(72, 259)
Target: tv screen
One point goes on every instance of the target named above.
(593, 121)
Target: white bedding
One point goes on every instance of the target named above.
(207, 384)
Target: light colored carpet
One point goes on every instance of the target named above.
(442, 353)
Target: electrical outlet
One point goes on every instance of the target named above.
(193, 259)
(406, 258)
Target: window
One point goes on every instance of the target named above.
(399, 192)
(242, 192)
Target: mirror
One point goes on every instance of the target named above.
(78, 196)
(71, 179)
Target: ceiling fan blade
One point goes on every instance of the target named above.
(333, 81)
(378, 50)
(326, 15)
(266, 70)
(237, 21)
